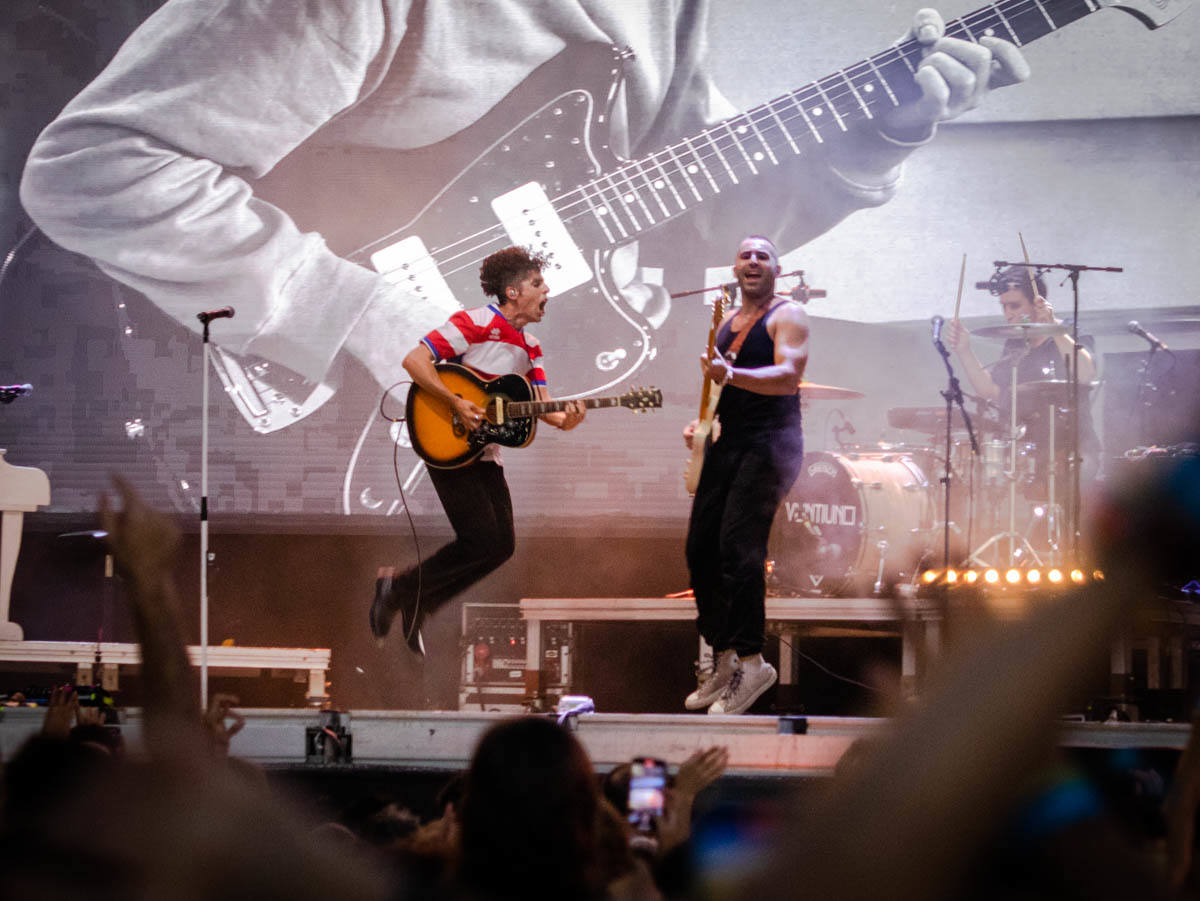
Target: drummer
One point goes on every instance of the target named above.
(1042, 365)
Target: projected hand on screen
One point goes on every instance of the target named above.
(954, 77)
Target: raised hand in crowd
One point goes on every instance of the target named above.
(144, 545)
(60, 712)
(695, 774)
(220, 709)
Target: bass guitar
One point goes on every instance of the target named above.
(443, 441)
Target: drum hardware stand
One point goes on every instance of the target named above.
(1073, 461)
(953, 395)
(1011, 533)
(1054, 509)
(883, 548)
(1053, 538)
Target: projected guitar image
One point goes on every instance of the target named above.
(553, 182)
(444, 442)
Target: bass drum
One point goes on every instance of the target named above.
(845, 514)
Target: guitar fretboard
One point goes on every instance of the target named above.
(645, 192)
(527, 408)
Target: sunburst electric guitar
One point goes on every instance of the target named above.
(709, 395)
(444, 442)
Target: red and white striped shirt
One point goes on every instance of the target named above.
(487, 342)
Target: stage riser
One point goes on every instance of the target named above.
(444, 741)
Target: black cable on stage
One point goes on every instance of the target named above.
(826, 669)
(412, 526)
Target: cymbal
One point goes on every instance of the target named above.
(813, 391)
(932, 420)
(1026, 330)
(1057, 391)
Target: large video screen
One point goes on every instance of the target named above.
(336, 174)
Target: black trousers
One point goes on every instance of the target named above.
(478, 504)
(740, 488)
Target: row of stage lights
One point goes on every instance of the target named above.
(1002, 578)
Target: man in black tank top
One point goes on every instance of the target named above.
(746, 473)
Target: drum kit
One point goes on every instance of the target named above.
(864, 518)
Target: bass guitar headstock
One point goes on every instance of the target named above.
(721, 304)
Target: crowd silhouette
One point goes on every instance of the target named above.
(962, 794)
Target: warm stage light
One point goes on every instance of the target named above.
(1055, 576)
(1013, 576)
(951, 576)
(971, 577)
(1076, 575)
(1098, 575)
(991, 577)
(1033, 576)
(929, 576)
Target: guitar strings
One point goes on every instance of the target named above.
(826, 93)
(764, 115)
(906, 50)
(761, 115)
(728, 153)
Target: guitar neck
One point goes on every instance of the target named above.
(646, 192)
(529, 408)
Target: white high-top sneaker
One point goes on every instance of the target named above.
(714, 683)
(752, 678)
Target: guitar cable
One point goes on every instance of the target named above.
(412, 526)
(795, 650)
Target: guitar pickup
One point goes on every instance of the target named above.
(531, 220)
(268, 395)
(409, 265)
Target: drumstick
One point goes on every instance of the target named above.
(961, 275)
(1028, 269)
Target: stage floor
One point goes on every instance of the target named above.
(444, 740)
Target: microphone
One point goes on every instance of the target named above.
(937, 322)
(210, 315)
(9, 393)
(989, 285)
(1138, 330)
(804, 294)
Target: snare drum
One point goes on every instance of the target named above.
(996, 463)
(846, 513)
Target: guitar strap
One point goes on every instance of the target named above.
(732, 352)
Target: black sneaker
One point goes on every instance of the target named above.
(382, 609)
(387, 603)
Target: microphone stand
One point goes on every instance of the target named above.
(953, 395)
(1146, 386)
(205, 319)
(1073, 459)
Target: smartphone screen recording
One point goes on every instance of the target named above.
(647, 785)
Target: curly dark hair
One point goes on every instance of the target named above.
(506, 267)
